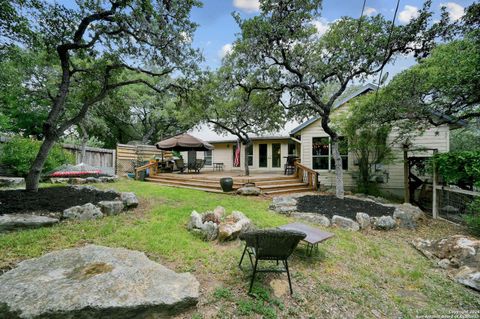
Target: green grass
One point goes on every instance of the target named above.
(354, 274)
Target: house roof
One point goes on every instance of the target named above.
(362, 90)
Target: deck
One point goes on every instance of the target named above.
(269, 183)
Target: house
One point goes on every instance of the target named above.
(312, 145)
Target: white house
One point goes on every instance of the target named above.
(311, 144)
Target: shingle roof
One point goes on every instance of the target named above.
(362, 90)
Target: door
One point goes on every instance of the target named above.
(262, 155)
(276, 155)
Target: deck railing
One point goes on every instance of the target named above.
(307, 175)
(153, 169)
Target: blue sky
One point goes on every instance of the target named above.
(217, 28)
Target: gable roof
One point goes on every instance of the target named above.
(362, 90)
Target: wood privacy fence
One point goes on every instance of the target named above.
(130, 156)
(101, 158)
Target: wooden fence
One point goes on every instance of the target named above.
(128, 156)
(100, 158)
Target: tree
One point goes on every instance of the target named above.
(232, 109)
(93, 45)
(280, 49)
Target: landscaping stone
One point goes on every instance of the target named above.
(234, 225)
(113, 207)
(345, 223)
(384, 223)
(210, 231)
(12, 182)
(92, 180)
(195, 221)
(95, 282)
(284, 204)
(363, 220)
(59, 180)
(108, 179)
(408, 216)
(313, 218)
(219, 211)
(77, 180)
(22, 221)
(84, 212)
(129, 199)
(458, 254)
(249, 191)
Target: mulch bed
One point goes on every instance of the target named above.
(50, 199)
(347, 207)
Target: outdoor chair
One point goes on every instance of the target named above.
(180, 164)
(196, 166)
(270, 244)
(290, 165)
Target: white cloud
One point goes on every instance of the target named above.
(225, 50)
(321, 25)
(369, 11)
(247, 5)
(455, 11)
(408, 13)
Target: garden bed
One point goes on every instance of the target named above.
(50, 199)
(348, 207)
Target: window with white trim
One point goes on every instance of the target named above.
(322, 153)
(207, 156)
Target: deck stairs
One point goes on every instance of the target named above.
(271, 185)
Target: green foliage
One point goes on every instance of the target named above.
(223, 293)
(465, 139)
(462, 168)
(19, 154)
(367, 140)
(473, 218)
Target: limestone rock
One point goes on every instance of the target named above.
(384, 223)
(95, 282)
(234, 225)
(195, 221)
(313, 218)
(129, 199)
(92, 180)
(12, 182)
(363, 220)
(284, 204)
(58, 180)
(113, 207)
(345, 223)
(84, 212)
(469, 277)
(249, 191)
(408, 216)
(219, 211)
(209, 231)
(20, 221)
(77, 180)
(108, 179)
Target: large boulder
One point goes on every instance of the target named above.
(84, 212)
(111, 207)
(313, 218)
(345, 223)
(458, 254)
(219, 212)
(233, 226)
(95, 282)
(11, 182)
(284, 204)
(408, 216)
(207, 230)
(384, 223)
(363, 220)
(77, 180)
(21, 221)
(249, 191)
(129, 199)
(92, 180)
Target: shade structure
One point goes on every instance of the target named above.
(184, 142)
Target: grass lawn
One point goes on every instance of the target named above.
(355, 275)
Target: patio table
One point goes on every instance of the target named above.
(314, 235)
(217, 167)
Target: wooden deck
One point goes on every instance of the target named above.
(270, 184)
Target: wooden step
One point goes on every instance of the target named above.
(185, 183)
(279, 182)
(288, 191)
(282, 186)
(210, 190)
(190, 180)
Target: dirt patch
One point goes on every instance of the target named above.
(50, 199)
(347, 207)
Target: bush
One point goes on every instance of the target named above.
(460, 168)
(19, 154)
(473, 219)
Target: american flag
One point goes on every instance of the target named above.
(236, 160)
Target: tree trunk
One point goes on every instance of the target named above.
(83, 149)
(339, 188)
(33, 177)
(245, 157)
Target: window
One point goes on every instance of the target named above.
(292, 149)
(276, 155)
(207, 156)
(322, 154)
(250, 154)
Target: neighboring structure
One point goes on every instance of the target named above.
(311, 144)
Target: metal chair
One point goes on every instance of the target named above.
(270, 244)
(180, 164)
(290, 165)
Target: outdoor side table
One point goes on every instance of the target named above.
(217, 167)
(314, 235)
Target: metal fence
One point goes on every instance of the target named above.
(454, 204)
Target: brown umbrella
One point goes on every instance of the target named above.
(184, 142)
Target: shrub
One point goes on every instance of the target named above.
(19, 154)
(473, 219)
(461, 168)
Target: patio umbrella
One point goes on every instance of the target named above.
(68, 170)
(184, 142)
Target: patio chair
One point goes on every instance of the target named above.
(196, 166)
(270, 244)
(180, 164)
(290, 165)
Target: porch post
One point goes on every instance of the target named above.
(434, 185)
(406, 170)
